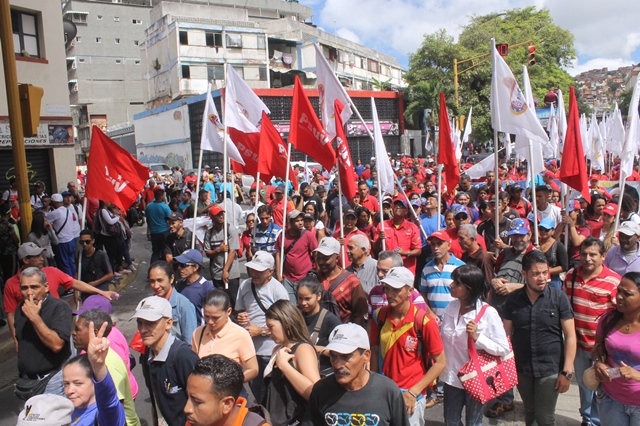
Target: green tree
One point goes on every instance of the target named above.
(433, 61)
(383, 86)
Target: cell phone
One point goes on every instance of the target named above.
(563, 211)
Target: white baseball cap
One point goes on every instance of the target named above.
(153, 308)
(46, 410)
(398, 277)
(57, 198)
(261, 261)
(629, 228)
(346, 338)
(328, 246)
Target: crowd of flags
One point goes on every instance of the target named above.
(250, 141)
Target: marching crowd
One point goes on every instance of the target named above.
(353, 312)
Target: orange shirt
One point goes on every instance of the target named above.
(232, 341)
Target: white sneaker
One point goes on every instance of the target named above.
(126, 271)
(117, 274)
(133, 267)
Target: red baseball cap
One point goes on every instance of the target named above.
(549, 174)
(611, 209)
(441, 235)
(594, 177)
(215, 210)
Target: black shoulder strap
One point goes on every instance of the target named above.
(201, 336)
(258, 301)
(57, 231)
(287, 249)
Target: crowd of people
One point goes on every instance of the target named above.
(359, 318)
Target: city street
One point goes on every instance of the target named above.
(136, 289)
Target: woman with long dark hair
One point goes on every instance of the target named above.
(43, 236)
(293, 368)
(616, 357)
(468, 290)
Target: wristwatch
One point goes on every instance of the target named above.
(263, 332)
(567, 375)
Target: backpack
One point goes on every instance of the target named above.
(327, 301)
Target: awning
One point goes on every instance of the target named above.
(73, 80)
(308, 74)
(71, 58)
(76, 11)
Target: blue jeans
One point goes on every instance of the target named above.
(588, 404)
(67, 261)
(55, 385)
(454, 401)
(617, 413)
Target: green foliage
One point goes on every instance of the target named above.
(383, 86)
(432, 63)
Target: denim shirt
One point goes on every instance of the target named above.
(184, 316)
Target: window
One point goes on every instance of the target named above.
(239, 70)
(214, 39)
(118, 61)
(373, 66)
(261, 42)
(79, 18)
(234, 40)
(81, 60)
(25, 33)
(137, 62)
(116, 19)
(117, 41)
(215, 72)
(184, 38)
(98, 39)
(136, 43)
(186, 72)
(262, 72)
(99, 17)
(78, 39)
(136, 22)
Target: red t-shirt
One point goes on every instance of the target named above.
(455, 249)
(405, 236)
(371, 203)
(298, 259)
(55, 277)
(277, 208)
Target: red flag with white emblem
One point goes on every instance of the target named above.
(346, 167)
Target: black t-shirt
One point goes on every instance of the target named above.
(33, 356)
(378, 403)
(316, 201)
(175, 245)
(328, 324)
(95, 267)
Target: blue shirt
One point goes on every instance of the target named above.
(266, 240)
(107, 410)
(196, 293)
(435, 284)
(156, 213)
(184, 317)
(211, 189)
(430, 225)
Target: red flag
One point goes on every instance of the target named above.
(113, 175)
(446, 150)
(273, 152)
(346, 169)
(306, 133)
(573, 169)
(248, 145)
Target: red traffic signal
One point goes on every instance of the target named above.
(531, 55)
(503, 49)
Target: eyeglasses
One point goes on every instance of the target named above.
(184, 265)
(85, 242)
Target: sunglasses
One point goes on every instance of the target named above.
(462, 217)
(184, 265)
(85, 242)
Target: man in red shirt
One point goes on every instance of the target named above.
(30, 255)
(147, 194)
(594, 187)
(519, 204)
(277, 205)
(548, 178)
(401, 235)
(366, 200)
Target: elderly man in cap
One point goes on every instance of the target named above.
(354, 394)
(625, 257)
(395, 335)
(342, 284)
(277, 205)
(156, 214)
(255, 296)
(223, 264)
(401, 235)
(179, 238)
(42, 331)
(167, 362)
(62, 220)
(298, 246)
(192, 284)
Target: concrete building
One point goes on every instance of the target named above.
(104, 67)
(40, 60)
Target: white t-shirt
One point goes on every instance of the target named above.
(551, 211)
(57, 218)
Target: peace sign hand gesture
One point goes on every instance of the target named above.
(97, 351)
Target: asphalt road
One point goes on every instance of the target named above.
(135, 288)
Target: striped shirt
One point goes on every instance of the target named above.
(590, 300)
(266, 240)
(435, 284)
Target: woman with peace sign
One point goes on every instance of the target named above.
(88, 384)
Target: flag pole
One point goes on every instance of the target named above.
(284, 210)
(384, 244)
(565, 203)
(439, 193)
(497, 190)
(410, 208)
(344, 265)
(623, 182)
(225, 169)
(255, 206)
(197, 195)
(533, 196)
(82, 221)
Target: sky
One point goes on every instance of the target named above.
(607, 34)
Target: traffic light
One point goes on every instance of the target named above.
(30, 100)
(503, 49)
(531, 55)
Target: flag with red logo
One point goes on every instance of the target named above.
(306, 133)
(329, 90)
(346, 168)
(273, 153)
(213, 131)
(113, 175)
(446, 150)
(573, 169)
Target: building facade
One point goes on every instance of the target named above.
(40, 60)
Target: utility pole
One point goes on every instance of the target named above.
(15, 117)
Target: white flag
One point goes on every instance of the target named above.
(510, 112)
(467, 127)
(479, 170)
(383, 165)
(243, 108)
(330, 89)
(561, 113)
(597, 146)
(427, 145)
(615, 132)
(455, 138)
(630, 149)
(507, 145)
(552, 128)
(584, 134)
(213, 131)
